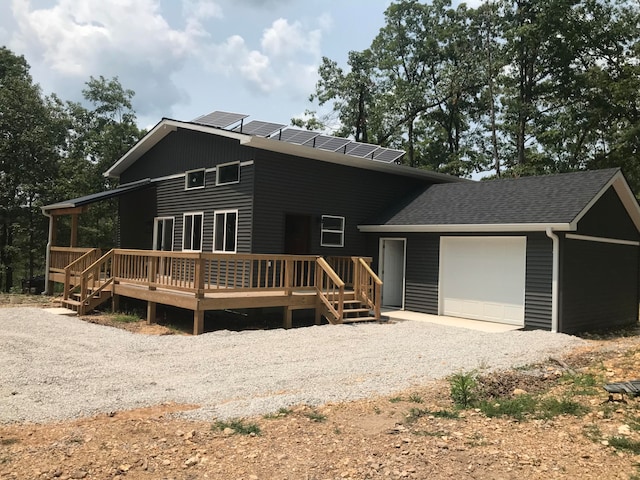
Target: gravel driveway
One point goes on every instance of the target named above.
(55, 367)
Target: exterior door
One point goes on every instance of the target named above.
(392, 265)
(483, 278)
(297, 235)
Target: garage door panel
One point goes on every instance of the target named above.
(483, 278)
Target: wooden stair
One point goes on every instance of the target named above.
(354, 310)
(93, 301)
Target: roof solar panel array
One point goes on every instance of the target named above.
(296, 136)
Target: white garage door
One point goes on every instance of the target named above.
(483, 278)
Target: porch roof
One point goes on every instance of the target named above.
(96, 197)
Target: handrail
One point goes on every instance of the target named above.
(93, 271)
(68, 289)
(328, 283)
(368, 286)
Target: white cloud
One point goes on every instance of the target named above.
(283, 39)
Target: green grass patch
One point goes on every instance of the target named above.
(126, 318)
(282, 412)
(517, 407)
(395, 399)
(238, 425)
(425, 433)
(416, 413)
(583, 383)
(624, 443)
(415, 398)
(316, 416)
(552, 407)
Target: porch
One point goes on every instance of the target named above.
(341, 289)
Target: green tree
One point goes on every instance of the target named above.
(97, 138)
(31, 134)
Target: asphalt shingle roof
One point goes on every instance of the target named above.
(543, 199)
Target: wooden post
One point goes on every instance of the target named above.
(54, 230)
(151, 313)
(318, 313)
(288, 276)
(152, 272)
(288, 317)
(115, 303)
(74, 230)
(199, 276)
(198, 322)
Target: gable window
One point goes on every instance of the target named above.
(194, 179)
(228, 173)
(332, 233)
(225, 231)
(192, 232)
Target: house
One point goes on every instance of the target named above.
(557, 252)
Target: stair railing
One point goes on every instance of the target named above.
(367, 286)
(330, 288)
(94, 279)
(76, 268)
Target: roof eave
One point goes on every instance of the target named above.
(465, 227)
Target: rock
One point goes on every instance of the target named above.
(190, 462)
(124, 467)
(519, 391)
(80, 474)
(624, 430)
(228, 431)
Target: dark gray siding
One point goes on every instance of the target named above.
(173, 201)
(290, 185)
(184, 150)
(422, 276)
(609, 219)
(538, 282)
(136, 211)
(599, 286)
(422, 273)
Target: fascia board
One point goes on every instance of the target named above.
(502, 227)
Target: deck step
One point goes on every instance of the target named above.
(356, 310)
(360, 319)
(74, 303)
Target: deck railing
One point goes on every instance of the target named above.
(204, 273)
(63, 257)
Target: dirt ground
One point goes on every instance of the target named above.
(416, 434)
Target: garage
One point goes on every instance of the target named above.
(483, 278)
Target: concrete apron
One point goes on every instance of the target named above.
(403, 315)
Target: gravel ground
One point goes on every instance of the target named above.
(55, 367)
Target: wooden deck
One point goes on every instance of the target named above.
(341, 289)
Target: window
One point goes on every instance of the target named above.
(194, 179)
(192, 232)
(225, 231)
(228, 173)
(332, 233)
(163, 233)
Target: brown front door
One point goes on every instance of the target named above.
(297, 236)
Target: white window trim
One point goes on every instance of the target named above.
(224, 240)
(222, 165)
(184, 225)
(330, 230)
(186, 179)
(155, 230)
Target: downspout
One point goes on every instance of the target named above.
(48, 255)
(554, 282)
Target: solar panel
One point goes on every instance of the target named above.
(361, 149)
(258, 128)
(387, 155)
(327, 142)
(219, 119)
(295, 136)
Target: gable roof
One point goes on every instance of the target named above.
(167, 126)
(513, 204)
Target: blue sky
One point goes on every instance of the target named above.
(185, 58)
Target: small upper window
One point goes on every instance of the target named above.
(332, 234)
(228, 173)
(194, 179)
